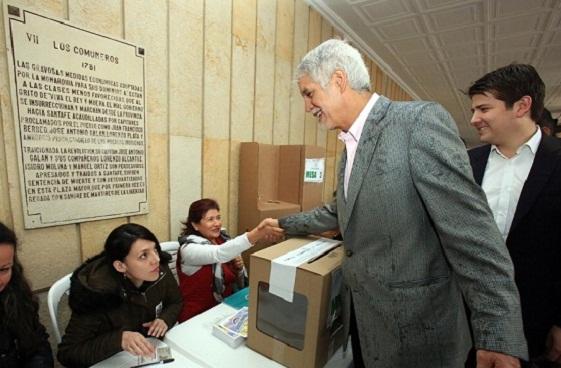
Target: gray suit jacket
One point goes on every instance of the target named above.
(418, 234)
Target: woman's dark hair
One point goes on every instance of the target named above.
(18, 305)
(120, 240)
(197, 210)
(510, 83)
(547, 121)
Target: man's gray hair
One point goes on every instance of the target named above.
(321, 62)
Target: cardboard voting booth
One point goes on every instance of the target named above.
(276, 181)
(301, 172)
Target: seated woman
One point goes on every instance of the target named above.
(23, 340)
(120, 297)
(209, 265)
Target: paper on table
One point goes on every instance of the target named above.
(163, 355)
(125, 359)
(283, 268)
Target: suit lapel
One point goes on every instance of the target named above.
(341, 201)
(544, 163)
(363, 157)
(478, 160)
(341, 175)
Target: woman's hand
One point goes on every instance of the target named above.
(268, 230)
(156, 328)
(237, 263)
(136, 344)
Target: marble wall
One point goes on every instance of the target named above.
(218, 72)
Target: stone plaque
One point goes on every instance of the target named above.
(78, 99)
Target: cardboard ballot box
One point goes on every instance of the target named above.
(295, 311)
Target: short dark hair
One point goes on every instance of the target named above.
(197, 210)
(510, 83)
(120, 240)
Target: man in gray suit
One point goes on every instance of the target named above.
(417, 229)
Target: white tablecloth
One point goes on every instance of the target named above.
(126, 360)
(193, 339)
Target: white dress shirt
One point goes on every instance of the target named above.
(504, 178)
(352, 137)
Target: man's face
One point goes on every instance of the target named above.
(323, 103)
(492, 119)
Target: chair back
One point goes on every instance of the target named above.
(171, 247)
(59, 288)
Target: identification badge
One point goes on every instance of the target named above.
(159, 308)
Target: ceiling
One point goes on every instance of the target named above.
(436, 48)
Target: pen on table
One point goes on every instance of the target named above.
(164, 361)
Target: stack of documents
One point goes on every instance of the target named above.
(232, 329)
(163, 355)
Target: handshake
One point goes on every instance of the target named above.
(268, 230)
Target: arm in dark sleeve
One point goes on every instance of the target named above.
(316, 221)
(173, 301)
(468, 233)
(42, 357)
(83, 344)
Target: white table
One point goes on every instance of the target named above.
(126, 360)
(193, 338)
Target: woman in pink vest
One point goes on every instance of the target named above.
(209, 265)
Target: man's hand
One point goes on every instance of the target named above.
(270, 222)
(492, 359)
(156, 328)
(268, 230)
(136, 344)
(553, 344)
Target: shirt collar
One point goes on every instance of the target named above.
(535, 140)
(355, 131)
(532, 143)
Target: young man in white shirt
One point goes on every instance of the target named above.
(520, 171)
